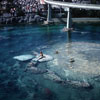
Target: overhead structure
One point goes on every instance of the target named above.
(69, 6)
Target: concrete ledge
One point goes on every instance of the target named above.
(48, 22)
(86, 19)
(65, 29)
(76, 20)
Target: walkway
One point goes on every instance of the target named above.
(74, 5)
(69, 6)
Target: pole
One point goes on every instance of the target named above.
(69, 22)
(49, 13)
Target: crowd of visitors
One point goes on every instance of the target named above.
(21, 8)
(29, 5)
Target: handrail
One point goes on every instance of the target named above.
(74, 5)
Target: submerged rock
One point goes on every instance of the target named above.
(56, 52)
(36, 70)
(52, 76)
(96, 78)
(76, 83)
(72, 60)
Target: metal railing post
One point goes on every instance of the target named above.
(49, 13)
(69, 20)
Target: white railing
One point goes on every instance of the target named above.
(74, 5)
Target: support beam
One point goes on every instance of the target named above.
(49, 13)
(69, 21)
(49, 20)
(68, 18)
(73, 5)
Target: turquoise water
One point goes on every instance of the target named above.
(83, 46)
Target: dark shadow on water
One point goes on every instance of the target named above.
(69, 36)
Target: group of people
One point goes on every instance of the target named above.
(29, 5)
(13, 11)
(25, 5)
(21, 11)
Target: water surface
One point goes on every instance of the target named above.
(83, 46)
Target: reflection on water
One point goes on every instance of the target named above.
(76, 59)
(69, 42)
